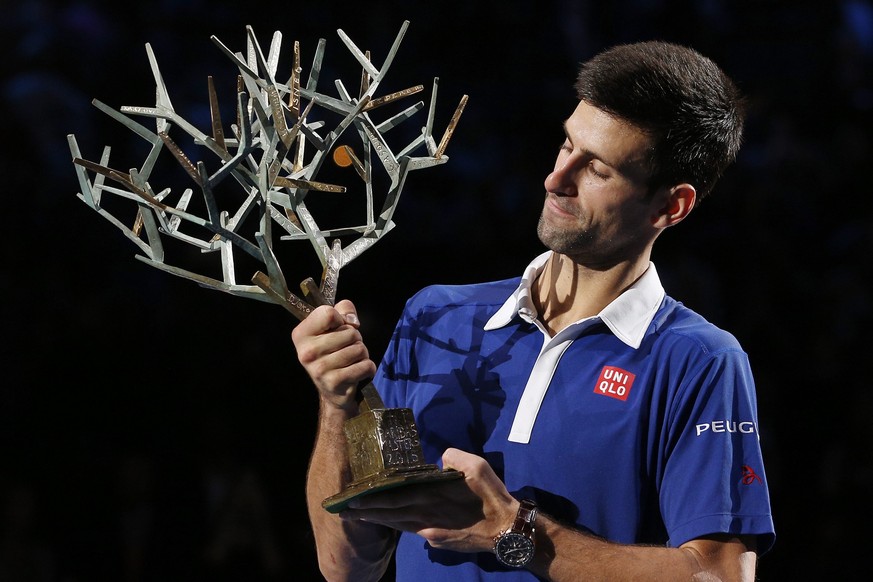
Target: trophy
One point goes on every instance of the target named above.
(384, 452)
(255, 187)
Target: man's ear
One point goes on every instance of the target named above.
(679, 203)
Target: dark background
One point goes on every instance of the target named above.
(154, 430)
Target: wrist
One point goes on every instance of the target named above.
(515, 546)
(337, 409)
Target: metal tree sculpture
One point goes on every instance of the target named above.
(273, 158)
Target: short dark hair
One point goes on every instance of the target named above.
(683, 100)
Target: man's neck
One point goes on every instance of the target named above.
(567, 291)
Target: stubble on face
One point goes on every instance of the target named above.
(592, 244)
(566, 241)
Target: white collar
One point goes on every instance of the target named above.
(628, 316)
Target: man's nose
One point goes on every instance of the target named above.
(561, 178)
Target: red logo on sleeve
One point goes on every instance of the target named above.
(614, 382)
(749, 476)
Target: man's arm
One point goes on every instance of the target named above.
(566, 554)
(331, 350)
(467, 515)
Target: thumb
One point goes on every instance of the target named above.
(455, 459)
(347, 310)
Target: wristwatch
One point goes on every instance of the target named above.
(515, 546)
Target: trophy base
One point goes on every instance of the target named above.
(384, 481)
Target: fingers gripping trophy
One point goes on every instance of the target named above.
(252, 187)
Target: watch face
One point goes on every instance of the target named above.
(514, 549)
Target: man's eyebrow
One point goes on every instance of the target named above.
(586, 151)
(630, 167)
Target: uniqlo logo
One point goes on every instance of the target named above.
(614, 382)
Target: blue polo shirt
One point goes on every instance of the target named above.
(638, 425)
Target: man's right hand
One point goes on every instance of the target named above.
(333, 353)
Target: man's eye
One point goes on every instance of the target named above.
(565, 147)
(596, 173)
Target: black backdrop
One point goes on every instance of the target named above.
(154, 430)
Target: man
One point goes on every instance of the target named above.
(590, 413)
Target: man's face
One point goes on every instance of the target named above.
(598, 209)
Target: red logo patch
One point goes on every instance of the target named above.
(614, 382)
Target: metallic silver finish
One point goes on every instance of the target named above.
(265, 156)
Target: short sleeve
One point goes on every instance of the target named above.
(714, 479)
